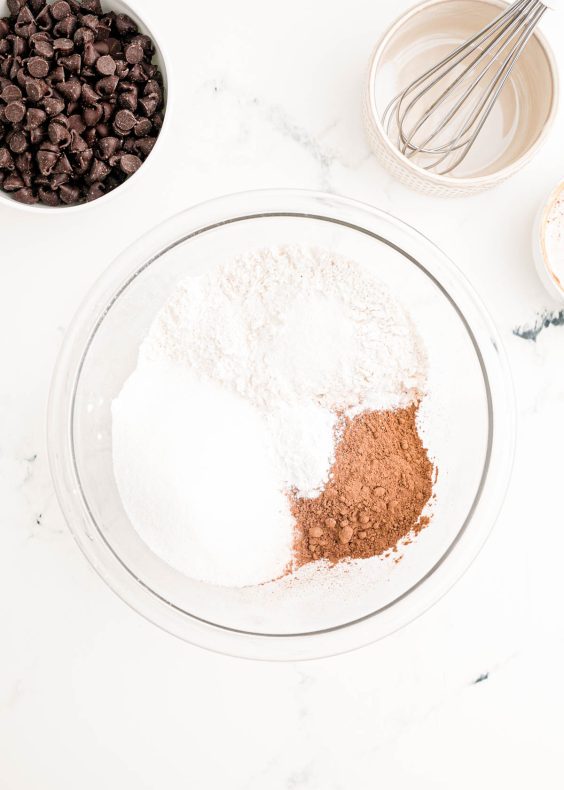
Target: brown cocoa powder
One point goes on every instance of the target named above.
(380, 482)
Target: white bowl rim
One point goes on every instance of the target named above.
(38, 208)
(554, 287)
(451, 181)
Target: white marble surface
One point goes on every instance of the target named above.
(93, 696)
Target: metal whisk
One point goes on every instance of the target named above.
(438, 116)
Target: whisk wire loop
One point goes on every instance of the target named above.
(464, 104)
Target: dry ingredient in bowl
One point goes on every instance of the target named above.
(81, 102)
(380, 481)
(251, 377)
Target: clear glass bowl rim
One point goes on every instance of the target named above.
(247, 206)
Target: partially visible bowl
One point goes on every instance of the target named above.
(552, 279)
(160, 58)
(469, 431)
(518, 126)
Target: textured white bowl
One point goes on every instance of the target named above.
(447, 23)
(540, 253)
(120, 7)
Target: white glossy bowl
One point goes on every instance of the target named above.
(527, 105)
(472, 436)
(543, 263)
(120, 7)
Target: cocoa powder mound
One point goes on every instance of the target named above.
(380, 482)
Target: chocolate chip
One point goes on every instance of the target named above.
(15, 112)
(106, 65)
(57, 75)
(108, 146)
(15, 6)
(99, 171)
(17, 142)
(114, 46)
(128, 100)
(83, 36)
(53, 105)
(44, 49)
(125, 24)
(107, 85)
(11, 93)
(95, 191)
(90, 135)
(124, 121)
(63, 45)
(24, 162)
(76, 123)
(59, 135)
(78, 143)
(24, 21)
(44, 20)
(69, 194)
(129, 164)
(6, 159)
(34, 118)
(92, 115)
(90, 21)
(102, 47)
(145, 145)
(60, 10)
(92, 6)
(25, 196)
(71, 90)
(63, 165)
(72, 63)
(66, 27)
(36, 135)
(149, 105)
(38, 67)
(134, 54)
(35, 89)
(108, 110)
(48, 197)
(37, 5)
(83, 160)
(152, 88)
(143, 127)
(46, 161)
(12, 182)
(57, 179)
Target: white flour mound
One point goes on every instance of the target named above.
(253, 361)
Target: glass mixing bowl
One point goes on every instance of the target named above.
(469, 419)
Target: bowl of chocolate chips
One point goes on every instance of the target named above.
(83, 90)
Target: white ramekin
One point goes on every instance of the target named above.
(412, 27)
(120, 7)
(540, 253)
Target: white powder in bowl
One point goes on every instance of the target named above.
(235, 401)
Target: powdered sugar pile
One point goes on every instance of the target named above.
(280, 341)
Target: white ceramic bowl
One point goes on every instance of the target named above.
(519, 124)
(120, 7)
(553, 284)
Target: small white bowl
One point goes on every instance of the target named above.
(545, 266)
(120, 7)
(519, 124)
